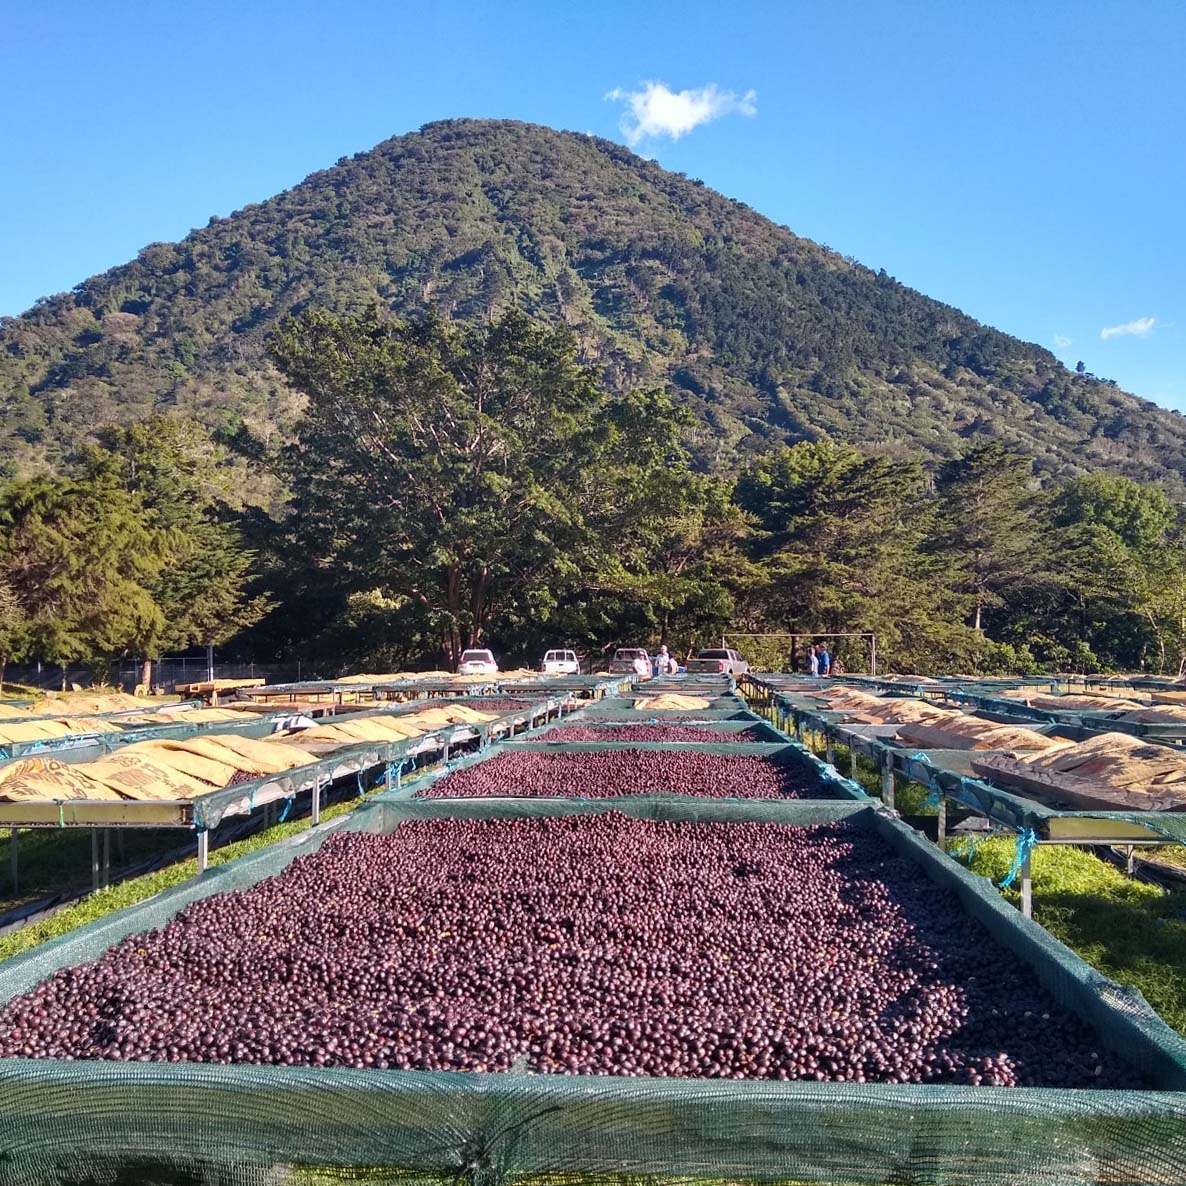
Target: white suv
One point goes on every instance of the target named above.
(477, 663)
(561, 663)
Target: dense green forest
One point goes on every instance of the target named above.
(477, 483)
(766, 338)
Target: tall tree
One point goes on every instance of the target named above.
(172, 471)
(458, 476)
(842, 552)
(987, 525)
(1115, 555)
(79, 558)
(13, 625)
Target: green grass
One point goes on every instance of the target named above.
(1129, 930)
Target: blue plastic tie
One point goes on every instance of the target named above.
(1025, 845)
(287, 808)
(967, 851)
(918, 757)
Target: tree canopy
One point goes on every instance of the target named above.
(451, 476)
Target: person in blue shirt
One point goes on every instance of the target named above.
(825, 660)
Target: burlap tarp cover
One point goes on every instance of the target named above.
(672, 701)
(960, 731)
(1113, 771)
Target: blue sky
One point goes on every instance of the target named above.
(1024, 161)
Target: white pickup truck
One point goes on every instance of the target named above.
(561, 663)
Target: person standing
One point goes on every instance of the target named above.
(825, 660)
(813, 660)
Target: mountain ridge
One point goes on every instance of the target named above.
(767, 336)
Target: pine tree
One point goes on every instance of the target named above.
(987, 524)
(170, 468)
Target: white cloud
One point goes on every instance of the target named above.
(657, 110)
(1061, 342)
(1140, 328)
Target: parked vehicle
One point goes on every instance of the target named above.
(721, 661)
(477, 663)
(561, 663)
(625, 658)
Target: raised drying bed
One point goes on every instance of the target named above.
(82, 1119)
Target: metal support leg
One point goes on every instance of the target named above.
(829, 752)
(1027, 890)
(387, 774)
(94, 859)
(1129, 863)
(315, 809)
(852, 762)
(942, 836)
(887, 782)
(203, 851)
(14, 844)
(106, 857)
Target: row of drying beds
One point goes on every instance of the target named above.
(201, 814)
(948, 775)
(339, 692)
(239, 1117)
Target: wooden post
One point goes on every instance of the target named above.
(942, 836)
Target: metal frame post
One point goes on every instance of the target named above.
(14, 858)
(887, 781)
(829, 752)
(942, 834)
(852, 760)
(94, 860)
(1027, 889)
(106, 857)
(315, 807)
(203, 850)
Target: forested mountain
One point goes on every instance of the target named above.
(768, 337)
